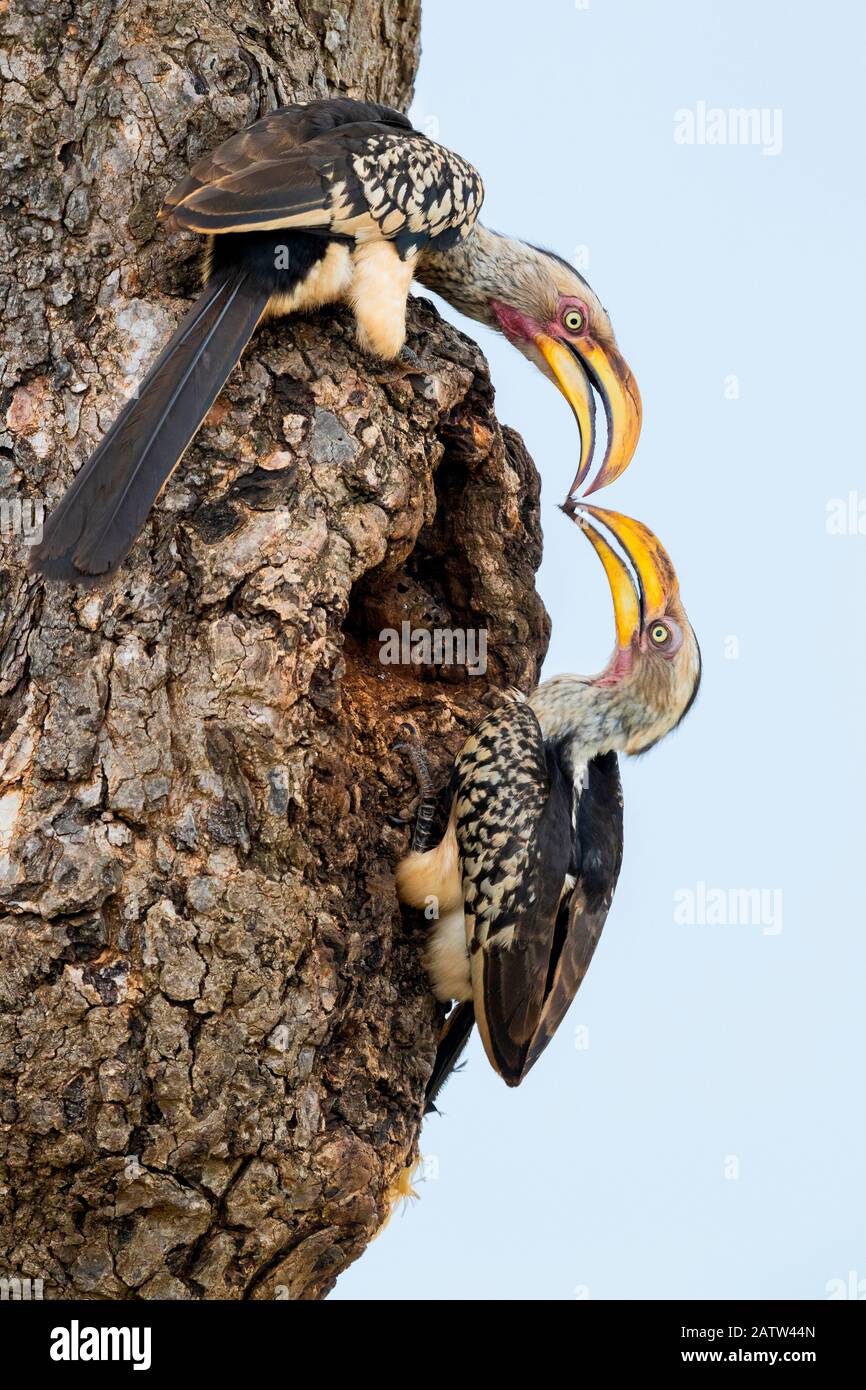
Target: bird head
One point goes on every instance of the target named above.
(653, 676)
(555, 319)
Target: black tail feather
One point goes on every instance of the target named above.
(97, 520)
(452, 1040)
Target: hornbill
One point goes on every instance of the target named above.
(524, 875)
(335, 201)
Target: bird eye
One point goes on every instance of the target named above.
(666, 636)
(573, 320)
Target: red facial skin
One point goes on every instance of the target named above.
(620, 666)
(622, 662)
(516, 326)
(519, 328)
(566, 304)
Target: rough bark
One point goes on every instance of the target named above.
(215, 1029)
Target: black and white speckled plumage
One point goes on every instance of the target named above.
(346, 169)
(320, 204)
(503, 787)
(524, 876)
(332, 202)
(540, 843)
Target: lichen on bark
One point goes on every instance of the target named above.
(215, 1029)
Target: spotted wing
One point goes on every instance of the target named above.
(276, 135)
(595, 866)
(347, 169)
(535, 849)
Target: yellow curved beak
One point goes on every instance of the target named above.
(573, 382)
(626, 605)
(611, 375)
(576, 368)
(656, 576)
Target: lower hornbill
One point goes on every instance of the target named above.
(334, 201)
(522, 881)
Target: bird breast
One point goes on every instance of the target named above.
(431, 879)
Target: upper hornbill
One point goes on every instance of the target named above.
(337, 200)
(524, 875)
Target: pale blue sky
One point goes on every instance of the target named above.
(708, 1045)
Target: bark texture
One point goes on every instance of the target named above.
(216, 1029)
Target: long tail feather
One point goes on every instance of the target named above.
(98, 518)
(452, 1040)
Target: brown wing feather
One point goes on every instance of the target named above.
(358, 180)
(598, 851)
(274, 136)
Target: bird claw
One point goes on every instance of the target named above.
(406, 739)
(408, 363)
(409, 741)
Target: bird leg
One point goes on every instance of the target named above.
(410, 364)
(407, 363)
(410, 744)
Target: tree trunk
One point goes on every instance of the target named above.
(216, 1028)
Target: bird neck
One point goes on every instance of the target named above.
(483, 267)
(588, 715)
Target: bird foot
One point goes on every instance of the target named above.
(408, 363)
(410, 743)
